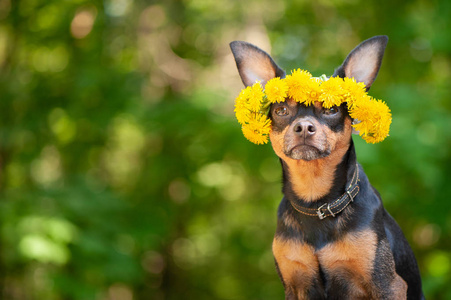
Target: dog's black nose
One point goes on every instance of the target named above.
(305, 128)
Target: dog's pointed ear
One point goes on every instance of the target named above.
(364, 62)
(254, 64)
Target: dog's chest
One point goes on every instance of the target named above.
(352, 255)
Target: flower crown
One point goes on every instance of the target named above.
(252, 104)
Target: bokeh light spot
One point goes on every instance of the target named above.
(83, 22)
(426, 235)
(438, 263)
(119, 291)
(215, 174)
(43, 249)
(46, 170)
(179, 190)
(62, 125)
(153, 262)
(45, 59)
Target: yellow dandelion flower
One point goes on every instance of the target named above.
(242, 115)
(276, 90)
(353, 91)
(332, 92)
(241, 106)
(313, 91)
(258, 129)
(362, 128)
(362, 108)
(375, 119)
(381, 126)
(297, 84)
(255, 97)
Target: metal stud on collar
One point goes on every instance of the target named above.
(328, 208)
(350, 196)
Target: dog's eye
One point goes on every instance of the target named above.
(330, 111)
(281, 111)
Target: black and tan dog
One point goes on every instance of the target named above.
(334, 238)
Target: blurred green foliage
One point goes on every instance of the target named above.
(123, 174)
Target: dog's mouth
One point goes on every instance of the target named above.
(306, 152)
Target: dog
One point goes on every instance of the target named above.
(334, 239)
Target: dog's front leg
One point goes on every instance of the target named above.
(298, 269)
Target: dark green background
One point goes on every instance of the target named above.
(124, 175)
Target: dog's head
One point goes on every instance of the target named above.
(309, 132)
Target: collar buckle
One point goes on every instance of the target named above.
(320, 213)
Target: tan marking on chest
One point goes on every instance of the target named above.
(291, 221)
(297, 264)
(399, 288)
(352, 258)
